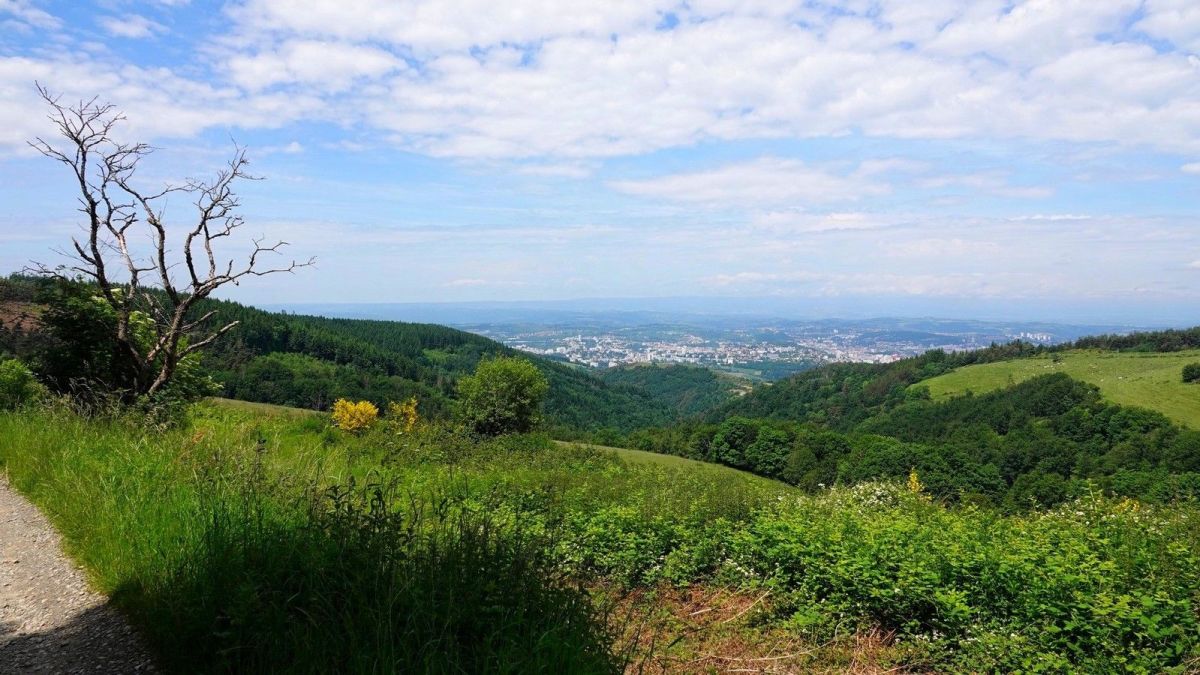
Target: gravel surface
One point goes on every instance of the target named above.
(50, 621)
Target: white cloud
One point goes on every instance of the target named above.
(1191, 167)
(943, 248)
(989, 182)
(157, 102)
(557, 169)
(1055, 216)
(132, 26)
(558, 82)
(1195, 265)
(741, 278)
(1177, 21)
(430, 25)
(25, 14)
(794, 222)
(764, 181)
(872, 167)
(329, 65)
(817, 284)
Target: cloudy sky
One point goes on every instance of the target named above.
(965, 153)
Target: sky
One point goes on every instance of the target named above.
(915, 155)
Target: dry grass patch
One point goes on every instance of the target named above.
(708, 629)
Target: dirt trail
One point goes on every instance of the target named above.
(50, 621)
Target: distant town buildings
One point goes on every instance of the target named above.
(734, 347)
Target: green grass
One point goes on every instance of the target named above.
(265, 409)
(1148, 380)
(271, 543)
(718, 471)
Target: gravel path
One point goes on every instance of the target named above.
(50, 621)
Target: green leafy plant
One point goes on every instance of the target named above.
(18, 386)
(503, 396)
(1191, 372)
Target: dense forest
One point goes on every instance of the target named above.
(689, 390)
(1037, 443)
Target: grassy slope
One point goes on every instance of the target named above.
(1148, 380)
(216, 561)
(717, 471)
(264, 409)
(635, 456)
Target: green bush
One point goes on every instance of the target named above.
(18, 386)
(1191, 372)
(1095, 586)
(502, 397)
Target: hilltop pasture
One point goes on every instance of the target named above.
(1146, 379)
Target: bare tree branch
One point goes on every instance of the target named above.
(114, 209)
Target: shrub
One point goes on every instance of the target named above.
(18, 386)
(404, 415)
(354, 417)
(1191, 372)
(502, 397)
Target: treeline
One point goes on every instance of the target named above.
(1037, 443)
(1156, 341)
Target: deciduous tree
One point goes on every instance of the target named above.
(503, 396)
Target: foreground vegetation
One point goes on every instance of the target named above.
(256, 543)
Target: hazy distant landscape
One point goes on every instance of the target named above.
(754, 345)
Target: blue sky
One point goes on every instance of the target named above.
(956, 154)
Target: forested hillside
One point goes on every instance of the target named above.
(310, 362)
(690, 390)
(841, 395)
(1038, 440)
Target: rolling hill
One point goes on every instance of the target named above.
(1145, 379)
(310, 361)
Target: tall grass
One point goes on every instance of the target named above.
(228, 568)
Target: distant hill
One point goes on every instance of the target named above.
(1145, 379)
(310, 361)
(842, 395)
(1043, 424)
(689, 390)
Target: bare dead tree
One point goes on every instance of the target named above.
(139, 284)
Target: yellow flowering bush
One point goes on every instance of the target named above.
(404, 415)
(914, 482)
(354, 417)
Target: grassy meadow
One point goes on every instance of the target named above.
(1145, 379)
(716, 471)
(251, 542)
